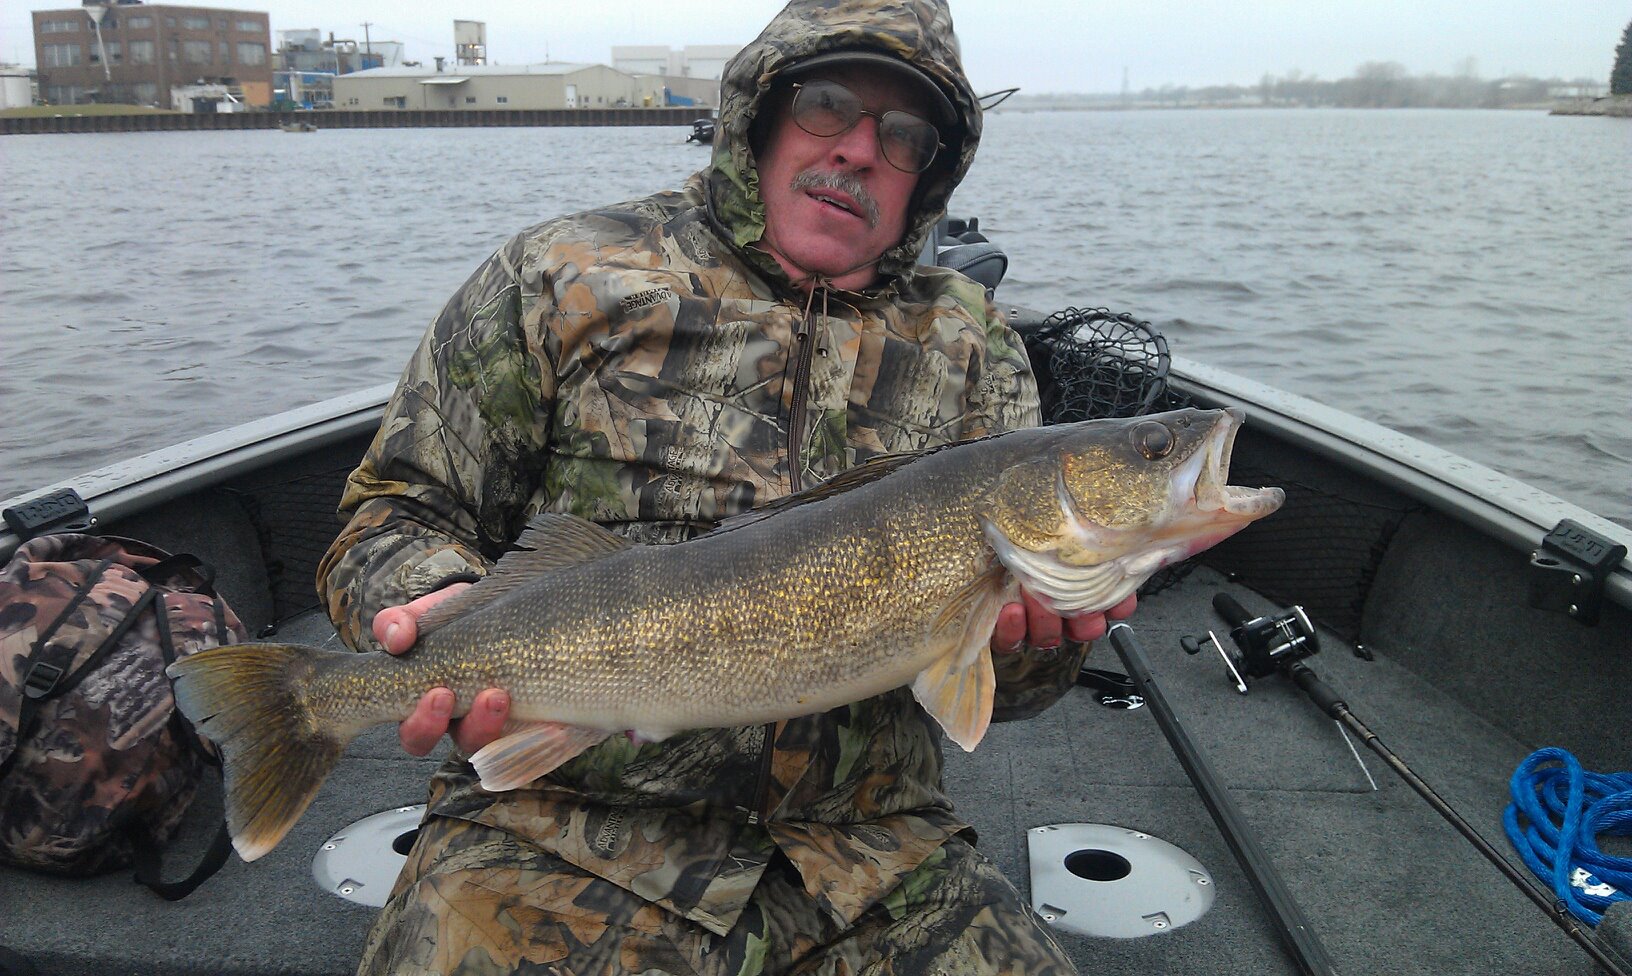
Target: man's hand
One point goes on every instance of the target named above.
(397, 628)
(1029, 622)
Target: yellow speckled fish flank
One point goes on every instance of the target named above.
(889, 575)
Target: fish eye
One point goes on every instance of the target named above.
(1153, 440)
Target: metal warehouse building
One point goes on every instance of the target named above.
(528, 86)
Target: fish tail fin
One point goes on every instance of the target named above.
(251, 700)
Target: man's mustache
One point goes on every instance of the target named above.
(845, 183)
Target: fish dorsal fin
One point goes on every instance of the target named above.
(849, 479)
(960, 685)
(551, 541)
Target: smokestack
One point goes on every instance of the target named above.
(439, 65)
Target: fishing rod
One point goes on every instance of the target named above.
(1294, 929)
(1279, 643)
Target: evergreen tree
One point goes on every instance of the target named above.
(1620, 78)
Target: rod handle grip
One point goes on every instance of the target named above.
(1318, 691)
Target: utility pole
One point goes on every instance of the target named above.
(368, 46)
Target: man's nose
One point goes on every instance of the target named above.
(858, 146)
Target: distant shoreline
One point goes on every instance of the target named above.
(1617, 106)
(342, 119)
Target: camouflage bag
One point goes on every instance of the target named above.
(97, 767)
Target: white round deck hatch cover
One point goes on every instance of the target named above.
(361, 862)
(1112, 882)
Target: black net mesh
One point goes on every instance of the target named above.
(1321, 550)
(296, 521)
(1092, 363)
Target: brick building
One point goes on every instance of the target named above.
(138, 52)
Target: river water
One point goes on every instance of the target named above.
(1463, 277)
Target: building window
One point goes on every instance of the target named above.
(195, 23)
(395, 101)
(146, 92)
(470, 99)
(223, 53)
(112, 49)
(196, 52)
(62, 56)
(250, 26)
(504, 99)
(141, 52)
(63, 94)
(169, 21)
(59, 27)
(251, 52)
(220, 23)
(138, 23)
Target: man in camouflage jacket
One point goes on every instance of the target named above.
(657, 366)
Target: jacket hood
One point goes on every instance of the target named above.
(916, 31)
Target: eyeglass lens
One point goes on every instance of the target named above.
(827, 108)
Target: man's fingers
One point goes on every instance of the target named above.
(421, 731)
(1010, 629)
(397, 628)
(484, 722)
(1043, 626)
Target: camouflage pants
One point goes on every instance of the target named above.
(475, 901)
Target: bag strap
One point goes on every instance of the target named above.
(81, 591)
(43, 680)
(147, 859)
(146, 855)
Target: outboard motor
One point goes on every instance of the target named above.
(958, 244)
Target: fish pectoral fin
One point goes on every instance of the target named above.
(551, 541)
(523, 756)
(959, 687)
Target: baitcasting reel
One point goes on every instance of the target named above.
(1263, 645)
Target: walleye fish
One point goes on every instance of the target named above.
(892, 573)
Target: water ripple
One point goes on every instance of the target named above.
(1432, 271)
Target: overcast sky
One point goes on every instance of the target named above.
(1040, 45)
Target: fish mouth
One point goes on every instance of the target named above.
(1202, 483)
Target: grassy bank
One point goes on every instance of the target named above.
(51, 111)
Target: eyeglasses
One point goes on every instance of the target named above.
(827, 108)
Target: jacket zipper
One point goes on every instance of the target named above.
(796, 482)
(757, 814)
(796, 413)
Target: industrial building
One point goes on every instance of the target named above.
(553, 85)
(692, 61)
(16, 87)
(136, 53)
(306, 64)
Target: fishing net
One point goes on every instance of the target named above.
(1092, 363)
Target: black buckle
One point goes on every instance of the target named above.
(41, 680)
(1568, 572)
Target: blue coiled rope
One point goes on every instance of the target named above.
(1554, 822)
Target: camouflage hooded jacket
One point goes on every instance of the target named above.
(641, 366)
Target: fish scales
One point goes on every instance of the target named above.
(891, 575)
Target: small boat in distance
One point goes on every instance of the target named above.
(702, 132)
(297, 127)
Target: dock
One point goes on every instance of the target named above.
(350, 119)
